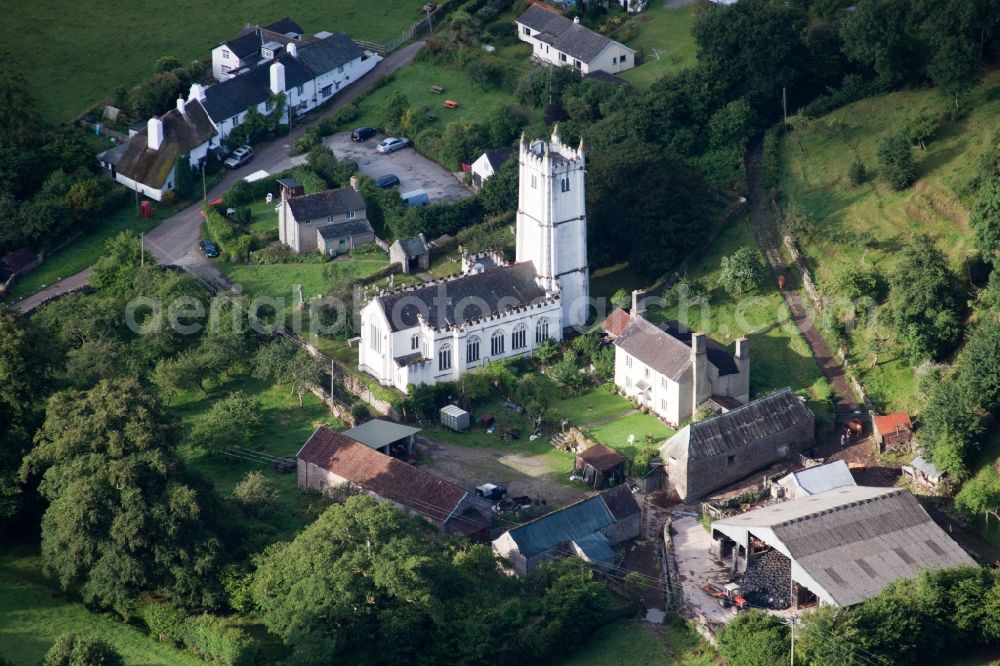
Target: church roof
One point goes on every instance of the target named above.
(460, 299)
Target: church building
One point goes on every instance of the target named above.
(439, 330)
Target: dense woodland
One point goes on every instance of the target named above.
(89, 468)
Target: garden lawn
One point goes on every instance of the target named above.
(629, 642)
(415, 81)
(615, 433)
(87, 249)
(264, 217)
(869, 223)
(75, 52)
(284, 428)
(668, 31)
(779, 356)
(33, 614)
(279, 280)
(595, 405)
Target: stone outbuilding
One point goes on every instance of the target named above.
(711, 454)
(412, 254)
(588, 529)
(600, 466)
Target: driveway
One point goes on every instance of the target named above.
(174, 241)
(414, 170)
(697, 567)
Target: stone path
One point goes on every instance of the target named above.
(763, 232)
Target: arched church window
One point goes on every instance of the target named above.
(519, 338)
(497, 346)
(542, 330)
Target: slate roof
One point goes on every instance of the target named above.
(563, 34)
(377, 433)
(595, 547)
(738, 428)
(284, 26)
(246, 45)
(358, 227)
(324, 204)
(389, 478)
(415, 246)
(462, 298)
(181, 134)
(575, 522)
(724, 362)
(601, 457)
(497, 156)
(326, 55)
(822, 478)
(659, 350)
(236, 95)
(853, 541)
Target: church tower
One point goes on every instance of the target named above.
(552, 221)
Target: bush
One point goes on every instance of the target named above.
(896, 158)
(360, 412)
(231, 243)
(165, 622)
(311, 138)
(212, 638)
(74, 650)
(856, 172)
(742, 271)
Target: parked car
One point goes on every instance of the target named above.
(239, 157)
(210, 249)
(388, 180)
(392, 144)
(362, 134)
(492, 491)
(415, 198)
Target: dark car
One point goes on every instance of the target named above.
(210, 249)
(362, 134)
(388, 180)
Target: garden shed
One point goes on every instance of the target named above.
(455, 418)
(600, 466)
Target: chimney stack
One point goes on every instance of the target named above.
(277, 78)
(355, 185)
(292, 50)
(154, 133)
(743, 349)
(638, 306)
(700, 388)
(180, 104)
(197, 92)
(576, 20)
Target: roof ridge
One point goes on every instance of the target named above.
(840, 507)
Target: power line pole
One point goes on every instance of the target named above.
(204, 188)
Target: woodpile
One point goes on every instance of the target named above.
(768, 580)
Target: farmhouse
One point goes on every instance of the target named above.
(237, 55)
(588, 529)
(710, 454)
(412, 254)
(487, 164)
(817, 480)
(838, 547)
(556, 40)
(149, 160)
(674, 372)
(441, 330)
(331, 459)
(332, 222)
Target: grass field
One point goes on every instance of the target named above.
(279, 280)
(87, 249)
(668, 33)
(616, 433)
(33, 614)
(870, 223)
(779, 357)
(75, 52)
(629, 642)
(284, 428)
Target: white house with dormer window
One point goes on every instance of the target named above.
(440, 330)
(556, 40)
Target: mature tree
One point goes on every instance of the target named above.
(230, 422)
(116, 269)
(923, 300)
(567, 373)
(896, 159)
(76, 650)
(283, 362)
(22, 376)
(732, 125)
(499, 192)
(20, 123)
(880, 36)
(122, 518)
(822, 636)
(921, 128)
(533, 394)
(985, 220)
(255, 492)
(754, 638)
(955, 67)
(742, 271)
(980, 495)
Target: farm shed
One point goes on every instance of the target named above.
(838, 547)
(412, 254)
(924, 473)
(817, 479)
(588, 529)
(455, 418)
(330, 459)
(892, 431)
(713, 453)
(392, 439)
(600, 466)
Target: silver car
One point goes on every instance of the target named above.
(392, 144)
(239, 157)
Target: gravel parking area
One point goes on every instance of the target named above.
(413, 169)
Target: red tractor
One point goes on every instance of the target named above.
(728, 595)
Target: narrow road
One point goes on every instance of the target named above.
(174, 241)
(769, 245)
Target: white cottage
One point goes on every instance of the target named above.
(438, 331)
(556, 40)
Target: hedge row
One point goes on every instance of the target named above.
(232, 244)
(211, 638)
(243, 193)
